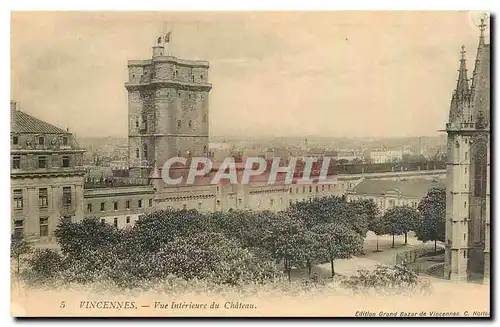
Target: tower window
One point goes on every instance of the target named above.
(137, 123)
(65, 161)
(137, 153)
(204, 118)
(190, 123)
(175, 73)
(133, 75)
(465, 204)
(145, 151)
(42, 162)
(201, 77)
(466, 155)
(179, 94)
(16, 162)
(466, 170)
(178, 124)
(189, 95)
(201, 96)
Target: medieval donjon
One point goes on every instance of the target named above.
(167, 110)
(467, 254)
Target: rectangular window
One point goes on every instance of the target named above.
(150, 202)
(16, 162)
(103, 221)
(103, 206)
(18, 199)
(127, 204)
(42, 162)
(199, 205)
(115, 222)
(115, 206)
(18, 228)
(43, 198)
(15, 140)
(139, 203)
(65, 161)
(44, 226)
(41, 140)
(89, 207)
(67, 196)
(128, 220)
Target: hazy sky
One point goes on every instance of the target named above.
(274, 74)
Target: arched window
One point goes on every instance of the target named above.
(178, 124)
(145, 151)
(190, 123)
(137, 153)
(204, 118)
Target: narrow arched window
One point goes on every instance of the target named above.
(204, 118)
(145, 151)
(137, 153)
(190, 123)
(178, 124)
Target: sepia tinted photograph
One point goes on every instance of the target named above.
(250, 164)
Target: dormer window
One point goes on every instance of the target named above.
(41, 140)
(65, 140)
(15, 140)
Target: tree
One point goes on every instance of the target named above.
(89, 234)
(339, 242)
(432, 209)
(158, 228)
(377, 226)
(400, 220)
(19, 248)
(312, 249)
(286, 239)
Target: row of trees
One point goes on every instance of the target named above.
(427, 220)
(234, 247)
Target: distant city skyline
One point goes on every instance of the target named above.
(291, 74)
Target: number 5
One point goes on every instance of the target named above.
(63, 304)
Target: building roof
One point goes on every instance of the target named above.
(414, 188)
(21, 122)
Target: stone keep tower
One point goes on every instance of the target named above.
(168, 101)
(467, 185)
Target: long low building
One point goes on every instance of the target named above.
(387, 193)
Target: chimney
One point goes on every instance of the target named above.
(13, 106)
